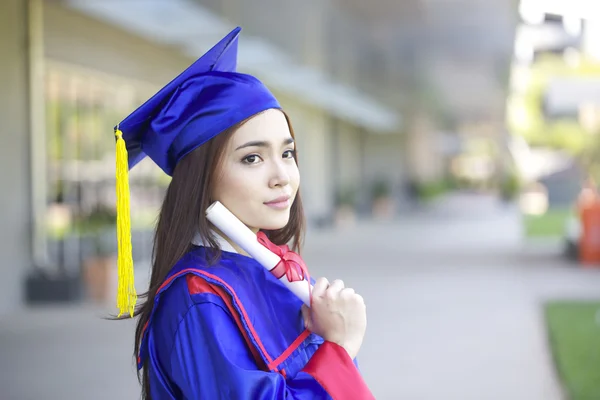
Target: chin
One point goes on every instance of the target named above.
(275, 223)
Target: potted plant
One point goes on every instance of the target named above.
(98, 227)
(382, 201)
(510, 187)
(345, 206)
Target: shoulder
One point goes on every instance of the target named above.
(187, 285)
(182, 290)
(190, 297)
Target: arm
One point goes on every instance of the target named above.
(210, 360)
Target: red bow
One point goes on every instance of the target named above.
(291, 264)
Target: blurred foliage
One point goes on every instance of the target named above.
(574, 332)
(590, 157)
(98, 226)
(100, 222)
(346, 196)
(510, 184)
(525, 110)
(99, 219)
(428, 191)
(380, 189)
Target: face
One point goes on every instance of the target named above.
(259, 178)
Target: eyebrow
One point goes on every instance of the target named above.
(263, 143)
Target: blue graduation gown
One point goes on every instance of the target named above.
(231, 330)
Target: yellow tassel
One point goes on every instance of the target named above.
(126, 294)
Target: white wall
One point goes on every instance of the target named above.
(365, 157)
(349, 150)
(426, 163)
(314, 156)
(384, 157)
(15, 219)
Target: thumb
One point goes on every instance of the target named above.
(307, 317)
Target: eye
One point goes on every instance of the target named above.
(251, 159)
(289, 154)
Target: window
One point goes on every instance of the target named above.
(82, 107)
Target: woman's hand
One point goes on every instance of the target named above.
(337, 314)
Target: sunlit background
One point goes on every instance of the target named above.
(449, 151)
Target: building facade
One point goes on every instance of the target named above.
(73, 69)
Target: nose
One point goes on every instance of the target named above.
(280, 176)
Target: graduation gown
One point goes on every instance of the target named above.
(232, 331)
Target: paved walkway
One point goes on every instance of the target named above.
(453, 297)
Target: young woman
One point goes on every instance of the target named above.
(215, 323)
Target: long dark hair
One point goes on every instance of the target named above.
(182, 216)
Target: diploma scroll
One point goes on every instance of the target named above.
(235, 230)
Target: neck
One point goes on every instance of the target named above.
(237, 248)
(223, 241)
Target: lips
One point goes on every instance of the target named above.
(279, 200)
(281, 203)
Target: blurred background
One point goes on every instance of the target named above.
(448, 149)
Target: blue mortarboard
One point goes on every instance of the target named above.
(204, 100)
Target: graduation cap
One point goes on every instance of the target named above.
(204, 100)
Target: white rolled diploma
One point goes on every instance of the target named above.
(235, 230)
